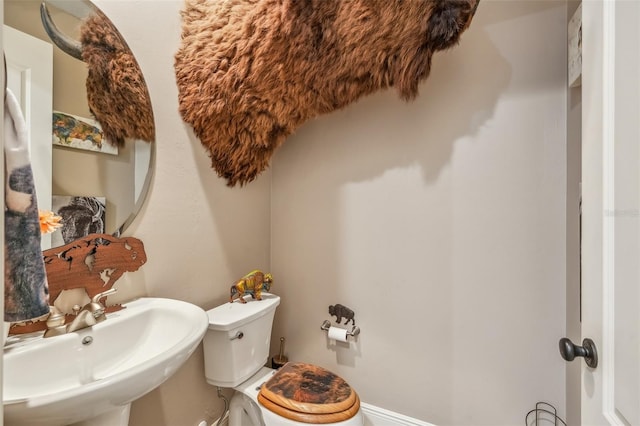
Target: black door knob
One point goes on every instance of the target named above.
(569, 351)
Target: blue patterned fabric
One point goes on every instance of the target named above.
(26, 293)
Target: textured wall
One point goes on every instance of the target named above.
(441, 223)
(199, 235)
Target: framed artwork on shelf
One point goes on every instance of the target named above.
(81, 216)
(80, 133)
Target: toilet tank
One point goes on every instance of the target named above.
(236, 344)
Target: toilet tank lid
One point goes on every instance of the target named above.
(232, 315)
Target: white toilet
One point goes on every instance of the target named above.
(236, 348)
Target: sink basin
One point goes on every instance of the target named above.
(92, 375)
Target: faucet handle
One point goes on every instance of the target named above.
(55, 323)
(97, 309)
(55, 318)
(97, 297)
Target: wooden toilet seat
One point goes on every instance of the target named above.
(309, 394)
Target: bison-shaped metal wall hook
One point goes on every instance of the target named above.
(341, 311)
(250, 72)
(253, 283)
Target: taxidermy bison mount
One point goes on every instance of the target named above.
(249, 72)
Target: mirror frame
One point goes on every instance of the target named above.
(144, 192)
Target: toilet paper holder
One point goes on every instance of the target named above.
(326, 324)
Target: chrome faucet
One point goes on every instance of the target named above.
(91, 314)
(86, 316)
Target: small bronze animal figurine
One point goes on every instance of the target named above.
(340, 311)
(253, 283)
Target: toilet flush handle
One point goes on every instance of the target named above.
(239, 335)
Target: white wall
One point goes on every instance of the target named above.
(441, 223)
(199, 235)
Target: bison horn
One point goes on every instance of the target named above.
(67, 44)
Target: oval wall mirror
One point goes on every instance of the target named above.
(89, 182)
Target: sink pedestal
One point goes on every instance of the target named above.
(116, 417)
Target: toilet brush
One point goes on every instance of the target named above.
(279, 360)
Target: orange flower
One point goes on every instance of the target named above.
(49, 221)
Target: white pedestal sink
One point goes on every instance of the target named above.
(91, 376)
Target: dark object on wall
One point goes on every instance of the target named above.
(250, 72)
(253, 283)
(116, 91)
(341, 311)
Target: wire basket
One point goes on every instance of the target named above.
(543, 414)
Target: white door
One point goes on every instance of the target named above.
(30, 78)
(611, 210)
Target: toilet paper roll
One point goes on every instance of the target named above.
(337, 333)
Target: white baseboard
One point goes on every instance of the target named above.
(373, 416)
(376, 416)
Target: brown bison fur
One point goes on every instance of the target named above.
(249, 72)
(116, 90)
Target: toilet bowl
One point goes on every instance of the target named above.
(236, 348)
